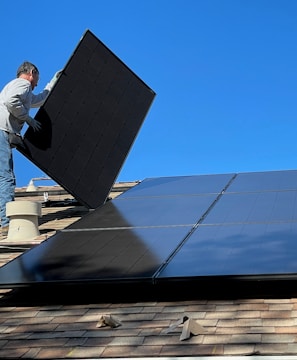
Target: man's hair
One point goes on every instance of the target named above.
(26, 67)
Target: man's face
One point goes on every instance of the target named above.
(34, 78)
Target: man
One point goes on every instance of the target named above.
(16, 99)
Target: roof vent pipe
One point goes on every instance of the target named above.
(31, 186)
(23, 224)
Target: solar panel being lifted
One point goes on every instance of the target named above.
(89, 122)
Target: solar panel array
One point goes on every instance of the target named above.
(175, 230)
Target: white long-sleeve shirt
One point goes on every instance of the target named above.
(16, 99)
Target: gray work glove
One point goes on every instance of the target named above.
(53, 81)
(35, 125)
(16, 140)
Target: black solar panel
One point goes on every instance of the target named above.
(95, 256)
(239, 250)
(89, 122)
(264, 181)
(175, 232)
(181, 185)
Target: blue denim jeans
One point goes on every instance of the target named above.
(7, 178)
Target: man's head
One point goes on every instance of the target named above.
(29, 72)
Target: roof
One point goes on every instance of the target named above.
(41, 325)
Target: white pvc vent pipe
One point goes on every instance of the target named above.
(23, 224)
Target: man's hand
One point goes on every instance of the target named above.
(16, 140)
(53, 81)
(36, 126)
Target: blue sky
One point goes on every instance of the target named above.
(224, 71)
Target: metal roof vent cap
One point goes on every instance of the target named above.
(31, 186)
(23, 224)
